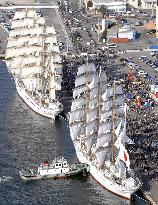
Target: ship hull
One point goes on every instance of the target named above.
(99, 177)
(35, 107)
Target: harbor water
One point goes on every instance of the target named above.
(27, 139)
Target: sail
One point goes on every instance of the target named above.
(30, 40)
(123, 133)
(107, 105)
(106, 115)
(110, 92)
(94, 93)
(20, 14)
(93, 103)
(28, 71)
(90, 128)
(31, 13)
(94, 82)
(76, 130)
(78, 91)
(77, 104)
(19, 62)
(26, 32)
(91, 115)
(106, 126)
(14, 52)
(40, 20)
(117, 130)
(76, 115)
(23, 23)
(83, 80)
(119, 110)
(103, 140)
(50, 30)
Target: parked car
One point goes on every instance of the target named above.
(142, 72)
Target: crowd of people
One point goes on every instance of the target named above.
(142, 128)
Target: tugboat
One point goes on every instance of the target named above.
(59, 168)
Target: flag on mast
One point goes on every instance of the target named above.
(123, 155)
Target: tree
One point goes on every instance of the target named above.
(103, 10)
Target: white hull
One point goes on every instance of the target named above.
(112, 186)
(46, 112)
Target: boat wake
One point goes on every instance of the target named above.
(5, 178)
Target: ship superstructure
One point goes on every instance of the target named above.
(33, 58)
(98, 130)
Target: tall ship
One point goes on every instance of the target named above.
(33, 58)
(98, 130)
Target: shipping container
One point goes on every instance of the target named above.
(118, 40)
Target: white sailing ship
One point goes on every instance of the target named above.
(98, 131)
(33, 58)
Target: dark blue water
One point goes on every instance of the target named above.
(26, 139)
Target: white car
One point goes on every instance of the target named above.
(141, 72)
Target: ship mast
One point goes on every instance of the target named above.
(113, 124)
(85, 98)
(99, 99)
(43, 66)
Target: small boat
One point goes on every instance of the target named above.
(59, 168)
